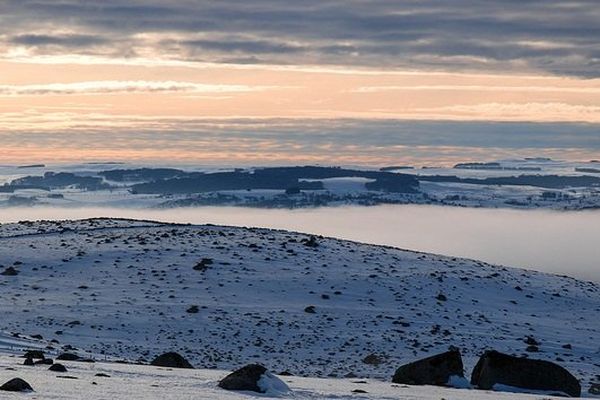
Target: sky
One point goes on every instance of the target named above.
(316, 81)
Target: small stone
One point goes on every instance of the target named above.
(57, 368)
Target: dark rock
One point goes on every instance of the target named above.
(312, 242)
(28, 361)
(45, 361)
(10, 271)
(16, 385)
(245, 378)
(102, 375)
(57, 368)
(530, 340)
(441, 297)
(38, 354)
(310, 310)
(68, 357)
(171, 360)
(203, 264)
(193, 310)
(496, 368)
(435, 370)
(594, 389)
(532, 349)
(372, 359)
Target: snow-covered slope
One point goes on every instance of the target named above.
(127, 289)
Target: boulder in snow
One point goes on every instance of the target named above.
(254, 378)
(10, 271)
(68, 357)
(171, 360)
(57, 368)
(436, 370)
(497, 370)
(38, 354)
(16, 385)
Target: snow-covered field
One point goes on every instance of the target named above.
(147, 382)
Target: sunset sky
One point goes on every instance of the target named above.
(265, 81)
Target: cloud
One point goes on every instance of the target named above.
(72, 40)
(479, 88)
(552, 111)
(108, 87)
(97, 136)
(553, 36)
(244, 46)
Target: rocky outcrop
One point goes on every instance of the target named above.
(171, 360)
(245, 378)
(436, 370)
(16, 385)
(495, 368)
(254, 378)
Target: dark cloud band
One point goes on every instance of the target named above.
(555, 36)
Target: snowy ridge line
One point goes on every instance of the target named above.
(59, 223)
(157, 224)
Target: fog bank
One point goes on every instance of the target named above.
(560, 242)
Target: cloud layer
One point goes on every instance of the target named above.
(554, 36)
(260, 142)
(111, 87)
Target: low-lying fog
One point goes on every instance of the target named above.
(561, 242)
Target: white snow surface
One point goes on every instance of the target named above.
(119, 289)
(136, 382)
(272, 385)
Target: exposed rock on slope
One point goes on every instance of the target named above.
(435, 370)
(254, 378)
(171, 360)
(16, 385)
(495, 368)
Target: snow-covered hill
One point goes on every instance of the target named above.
(226, 296)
